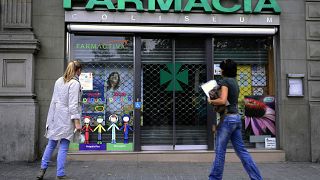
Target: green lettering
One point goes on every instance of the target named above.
(273, 5)
(203, 4)
(247, 6)
(87, 46)
(82, 46)
(122, 4)
(177, 6)
(93, 46)
(164, 6)
(67, 4)
(217, 5)
(119, 46)
(77, 46)
(90, 5)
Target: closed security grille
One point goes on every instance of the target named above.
(190, 107)
(174, 106)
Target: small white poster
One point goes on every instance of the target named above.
(270, 143)
(86, 81)
(295, 87)
(216, 69)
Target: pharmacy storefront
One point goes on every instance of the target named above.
(145, 61)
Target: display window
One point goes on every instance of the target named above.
(255, 75)
(107, 81)
(172, 107)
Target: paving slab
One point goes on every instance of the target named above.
(122, 170)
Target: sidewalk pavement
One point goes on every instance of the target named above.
(119, 170)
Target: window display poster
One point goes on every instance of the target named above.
(258, 69)
(119, 90)
(109, 92)
(259, 75)
(257, 91)
(216, 69)
(86, 81)
(260, 115)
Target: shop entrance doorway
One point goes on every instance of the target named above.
(174, 113)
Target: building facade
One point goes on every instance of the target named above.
(145, 61)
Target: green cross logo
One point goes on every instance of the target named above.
(180, 77)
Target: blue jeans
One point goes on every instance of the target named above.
(231, 129)
(61, 158)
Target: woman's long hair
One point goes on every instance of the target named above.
(109, 81)
(72, 68)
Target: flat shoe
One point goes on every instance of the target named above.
(41, 173)
(65, 177)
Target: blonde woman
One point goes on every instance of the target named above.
(63, 118)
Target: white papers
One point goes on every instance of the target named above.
(206, 87)
(295, 87)
(86, 81)
(270, 143)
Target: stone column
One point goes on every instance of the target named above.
(313, 59)
(18, 105)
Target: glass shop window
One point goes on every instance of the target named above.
(255, 76)
(107, 81)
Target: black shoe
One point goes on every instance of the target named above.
(64, 177)
(41, 173)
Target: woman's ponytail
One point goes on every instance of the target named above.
(70, 72)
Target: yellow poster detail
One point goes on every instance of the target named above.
(244, 80)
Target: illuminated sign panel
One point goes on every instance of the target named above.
(177, 5)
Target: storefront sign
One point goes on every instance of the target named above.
(175, 77)
(164, 18)
(165, 5)
(99, 46)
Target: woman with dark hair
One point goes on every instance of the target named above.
(230, 129)
(113, 81)
(112, 94)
